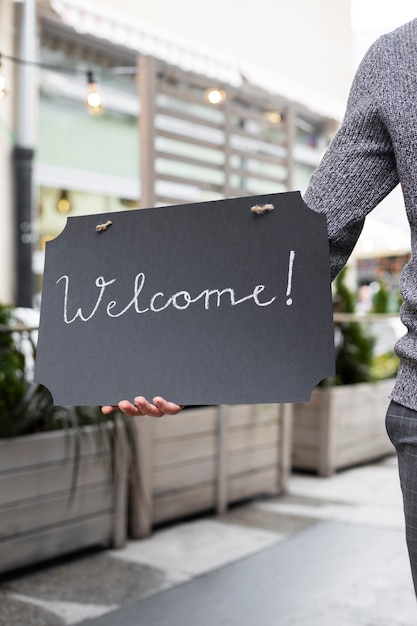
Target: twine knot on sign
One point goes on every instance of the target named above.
(104, 226)
(260, 209)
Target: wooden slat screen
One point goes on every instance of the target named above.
(200, 151)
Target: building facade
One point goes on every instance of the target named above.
(281, 85)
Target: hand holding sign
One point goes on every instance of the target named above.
(141, 406)
(202, 304)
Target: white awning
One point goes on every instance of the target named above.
(92, 18)
(379, 239)
(386, 231)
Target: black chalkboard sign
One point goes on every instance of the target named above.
(207, 303)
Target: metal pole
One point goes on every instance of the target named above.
(290, 141)
(23, 154)
(147, 95)
(22, 166)
(286, 417)
(222, 494)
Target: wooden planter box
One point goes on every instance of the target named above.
(205, 458)
(41, 516)
(341, 426)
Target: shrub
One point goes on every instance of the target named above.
(355, 344)
(27, 407)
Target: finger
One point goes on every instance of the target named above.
(129, 409)
(108, 409)
(170, 408)
(146, 408)
(141, 406)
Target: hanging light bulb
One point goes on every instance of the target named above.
(274, 117)
(3, 83)
(93, 101)
(214, 95)
(63, 205)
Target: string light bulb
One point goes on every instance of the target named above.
(3, 83)
(63, 205)
(274, 117)
(93, 100)
(214, 95)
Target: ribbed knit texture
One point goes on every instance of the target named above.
(374, 150)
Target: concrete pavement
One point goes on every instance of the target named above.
(329, 553)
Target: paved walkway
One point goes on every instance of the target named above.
(330, 553)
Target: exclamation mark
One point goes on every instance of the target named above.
(289, 283)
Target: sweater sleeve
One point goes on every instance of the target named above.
(358, 169)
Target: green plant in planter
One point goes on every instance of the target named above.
(355, 345)
(12, 380)
(381, 299)
(37, 413)
(25, 407)
(385, 365)
(63, 491)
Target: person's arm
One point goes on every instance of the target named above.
(358, 170)
(141, 406)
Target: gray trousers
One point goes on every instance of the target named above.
(401, 426)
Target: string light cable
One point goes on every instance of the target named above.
(93, 99)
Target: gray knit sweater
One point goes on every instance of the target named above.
(374, 150)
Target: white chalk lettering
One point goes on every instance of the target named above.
(289, 282)
(180, 300)
(181, 294)
(258, 289)
(139, 282)
(100, 282)
(152, 303)
(210, 292)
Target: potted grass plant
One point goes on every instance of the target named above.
(63, 470)
(343, 423)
